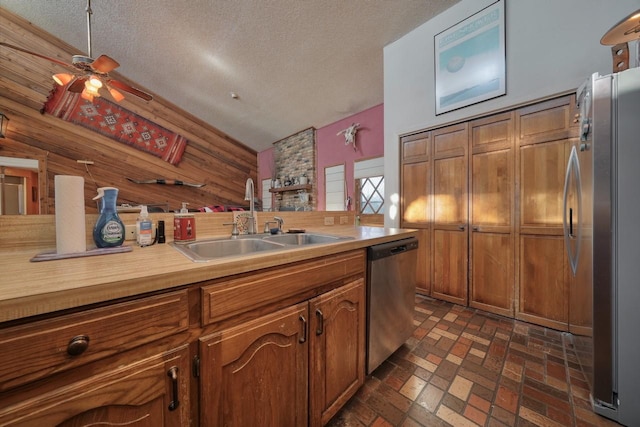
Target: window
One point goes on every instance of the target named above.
(371, 195)
(334, 188)
(369, 180)
(266, 195)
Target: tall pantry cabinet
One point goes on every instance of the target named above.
(415, 207)
(545, 131)
(492, 212)
(487, 196)
(450, 243)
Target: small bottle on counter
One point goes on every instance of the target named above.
(160, 232)
(144, 228)
(184, 225)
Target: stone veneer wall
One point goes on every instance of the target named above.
(295, 156)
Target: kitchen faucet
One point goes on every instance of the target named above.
(276, 220)
(280, 221)
(248, 195)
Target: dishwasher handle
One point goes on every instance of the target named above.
(398, 249)
(391, 248)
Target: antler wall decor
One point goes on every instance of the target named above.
(350, 134)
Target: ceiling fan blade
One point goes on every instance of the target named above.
(126, 88)
(55, 61)
(104, 64)
(77, 85)
(115, 94)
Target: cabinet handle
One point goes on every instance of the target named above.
(173, 374)
(476, 228)
(78, 345)
(303, 338)
(461, 227)
(320, 317)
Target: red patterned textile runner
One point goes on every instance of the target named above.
(115, 122)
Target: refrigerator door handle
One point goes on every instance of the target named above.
(573, 168)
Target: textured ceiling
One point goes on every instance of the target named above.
(293, 63)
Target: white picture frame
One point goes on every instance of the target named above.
(470, 60)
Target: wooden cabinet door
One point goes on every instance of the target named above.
(450, 218)
(415, 200)
(337, 346)
(545, 131)
(542, 172)
(416, 180)
(543, 276)
(255, 374)
(491, 270)
(150, 392)
(544, 292)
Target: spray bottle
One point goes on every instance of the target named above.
(144, 228)
(109, 229)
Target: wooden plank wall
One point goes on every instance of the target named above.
(211, 157)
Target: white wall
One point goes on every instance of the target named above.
(551, 47)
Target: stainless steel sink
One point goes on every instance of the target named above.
(304, 239)
(205, 250)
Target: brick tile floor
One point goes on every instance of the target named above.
(465, 367)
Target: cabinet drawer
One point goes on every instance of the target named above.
(45, 347)
(234, 296)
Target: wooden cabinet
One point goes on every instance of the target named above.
(450, 248)
(337, 338)
(543, 286)
(38, 349)
(415, 200)
(487, 198)
(492, 206)
(256, 373)
(117, 365)
(287, 345)
(545, 132)
(150, 391)
(295, 367)
(281, 346)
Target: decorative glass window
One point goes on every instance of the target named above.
(371, 195)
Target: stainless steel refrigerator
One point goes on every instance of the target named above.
(602, 235)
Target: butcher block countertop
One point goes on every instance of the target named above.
(34, 288)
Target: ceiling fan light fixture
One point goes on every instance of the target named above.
(63, 78)
(86, 69)
(116, 94)
(95, 82)
(91, 89)
(86, 95)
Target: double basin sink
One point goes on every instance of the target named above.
(208, 249)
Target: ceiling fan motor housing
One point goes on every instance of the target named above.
(83, 63)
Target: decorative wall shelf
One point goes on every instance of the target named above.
(290, 188)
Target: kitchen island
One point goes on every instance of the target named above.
(271, 338)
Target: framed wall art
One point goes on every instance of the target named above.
(470, 60)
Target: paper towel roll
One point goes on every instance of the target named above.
(70, 222)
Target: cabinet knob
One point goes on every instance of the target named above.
(78, 345)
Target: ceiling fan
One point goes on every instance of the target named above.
(89, 75)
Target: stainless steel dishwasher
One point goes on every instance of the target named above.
(391, 272)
